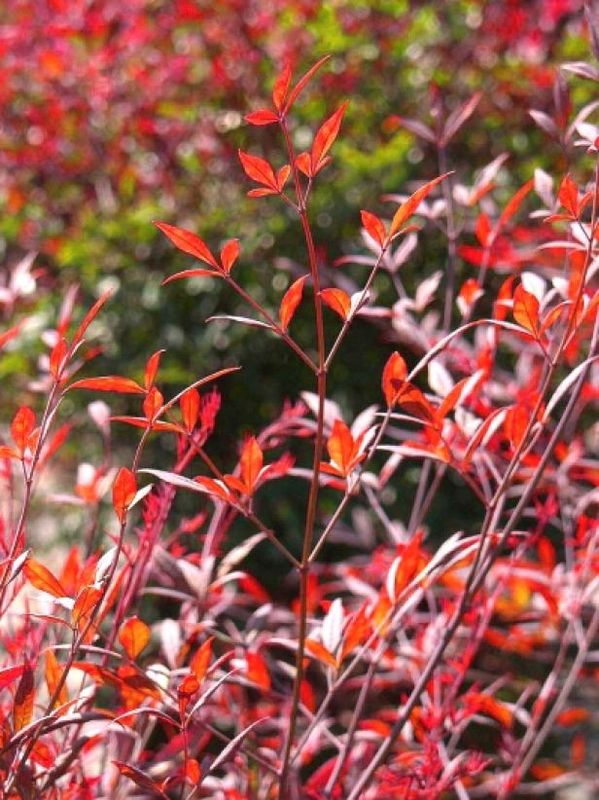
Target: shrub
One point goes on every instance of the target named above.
(377, 662)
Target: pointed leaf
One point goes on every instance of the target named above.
(188, 242)
(291, 300)
(40, 576)
(53, 674)
(22, 427)
(325, 137)
(23, 705)
(90, 316)
(394, 376)
(281, 87)
(340, 446)
(201, 660)
(151, 369)
(302, 83)
(123, 491)
(191, 273)
(526, 309)
(338, 300)
(109, 383)
(374, 227)
(407, 209)
(190, 408)
(258, 170)
(251, 462)
(262, 116)
(229, 255)
(568, 195)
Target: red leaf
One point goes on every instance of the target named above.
(134, 635)
(302, 83)
(190, 408)
(514, 203)
(526, 310)
(394, 375)
(251, 463)
(257, 671)
(229, 255)
(90, 316)
(201, 660)
(482, 229)
(23, 706)
(188, 242)
(291, 300)
(138, 777)
(22, 427)
(41, 577)
(338, 300)
(408, 564)
(151, 369)
(263, 116)
(6, 337)
(405, 211)
(10, 674)
(259, 170)
(374, 227)
(152, 404)
(281, 87)
(109, 383)
(568, 196)
(57, 357)
(191, 273)
(123, 492)
(414, 402)
(325, 137)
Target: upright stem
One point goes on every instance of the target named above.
(321, 378)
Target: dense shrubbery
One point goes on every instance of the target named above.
(386, 584)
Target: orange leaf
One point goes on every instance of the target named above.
(53, 673)
(229, 255)
(493, 708)
(338, 300)
(21, 427)
(257, 671)
(340, 446)
(134, 635)
(201, 660)
(259, 170)
(526, 310)
(190, 408)
(291, 300)
(374, 227)
(325, 137)
(85, 606)
(188, 242)
(320, 653)
(23, 707)
(251, 463)
(109, 383)
(41, 577)
(138, 777)
(405, 211)
(123, 491)
(394, 376)
(572, 716)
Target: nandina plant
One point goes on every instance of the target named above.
(411, 668)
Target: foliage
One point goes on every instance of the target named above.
(195, 640)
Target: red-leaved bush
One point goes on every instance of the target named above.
(406, 669)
